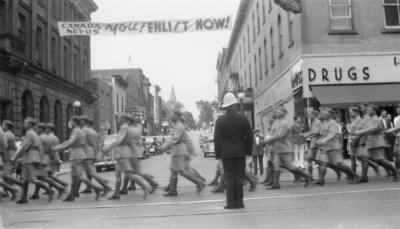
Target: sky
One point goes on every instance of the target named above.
(186, 61)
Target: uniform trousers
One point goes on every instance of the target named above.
(234, 170)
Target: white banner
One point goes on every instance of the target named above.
(143, 27)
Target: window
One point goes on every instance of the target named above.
(53, 52)
(240, 56)
(341, 16)
(250, 79)
(107, 102)
(76, 69)
(102, 98)
(39, 46)
(258, 19)
(254, 29)
(290, 29)
(265, 56)
(54, 8)
(117, 103)
(263, 11)
(66, 62)
(255, 69)
(280, 36)
(2, 16)
(269, 6)
(245, 79)
(122, 103)
(271, 41)
(22, 27)
(260, 63)
(65, 10)
(244, 49)
(391, 10)
(248, 39)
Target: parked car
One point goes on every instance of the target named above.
(106, 160)
(208, 145)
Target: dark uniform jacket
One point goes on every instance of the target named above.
(233, 137)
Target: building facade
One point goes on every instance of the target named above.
(41, 73)
(333, 54)
(103, 108)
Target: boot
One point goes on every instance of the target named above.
(337, 171)
(13, 180)
(60, 188)
(301, 173)
(267, 177)
(46, 188)
(387, 165)
(132, 187)
(124, 189)
(252, 180)
(24, 199)
(310, 171)
(173, 185)
(275, 184)
(35, 195)
(364, 170)
(197, 174)
(154, 185)
(116, 195)
(354, 164)
(221, 185)
(199, 183)
(136, 179)
(322, 174)
(271, 175)
(96, 189)
(16, 193)
(103, 183)
(353, 177)
(374, 167)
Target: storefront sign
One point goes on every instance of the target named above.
(297, 75)
(144, 27)
(337, 74)
(137, 112)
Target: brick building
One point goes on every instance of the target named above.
(334, 53)
(41, 73)
(103, 108)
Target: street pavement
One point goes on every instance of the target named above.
(336, 205)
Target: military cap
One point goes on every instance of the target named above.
(41, 125)
(50, 126)
(8, 123)
(30, 121)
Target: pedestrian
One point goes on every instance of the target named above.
(396, 132)
(299, 142)
(46, 151)
(282, 148)
(15, 192)
(177, 145)
(123, 154)
(257, 153)
(356, 148)
(315, 126)
(233, 140)
(373, 131)
(330, 148)
(387, 124)
(91, 150)
(8, 166)
(76, 143)
(31, 160)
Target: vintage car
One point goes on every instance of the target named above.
(106, 160)
(208, 145)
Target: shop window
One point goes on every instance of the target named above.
(341, 15)
(6, 110)
(39, 46)
(391, 10)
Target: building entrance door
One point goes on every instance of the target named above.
(5, 110)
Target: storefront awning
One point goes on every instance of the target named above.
(347, 95)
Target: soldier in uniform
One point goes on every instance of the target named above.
(8, 166)
(374, 143)
(282, 148)
(123, 154)
(330, 148)
(45, 149)
(31, 160)
(54, 156)
(77, 145)
(91, 150)
(355, 149)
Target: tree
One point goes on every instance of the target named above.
(206, 112)
(172, 105)
(188, 116)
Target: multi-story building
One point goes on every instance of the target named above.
(103, 108)
(41, 73)
(119, 84)
(333, 53)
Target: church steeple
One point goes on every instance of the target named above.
(172, 97)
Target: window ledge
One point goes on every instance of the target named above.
(390, 30)
(343, 32)
(291, 44)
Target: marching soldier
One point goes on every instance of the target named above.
(77, 144)
(54, 156)
(123, 154)
(91, 150)
(31, 160)
(355, 150)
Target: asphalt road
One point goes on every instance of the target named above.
(337, 205)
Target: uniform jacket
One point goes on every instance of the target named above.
(126, 138)
(91, 142)
(136, 146)
(258, 150)
(54, 155)
(363, 124)
(233, 137)
(374, 137)
(30, 150)
(11, 147)
(3, 141)
(283, 130)
(45, 143)
(77, 144)
(355, 125)
(329, 129)
(315, 130)
(179, 143)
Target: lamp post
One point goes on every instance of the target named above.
(77, 108)
(241, 97)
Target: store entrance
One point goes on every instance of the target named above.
(5, 110)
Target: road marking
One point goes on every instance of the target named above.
(209, 201)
